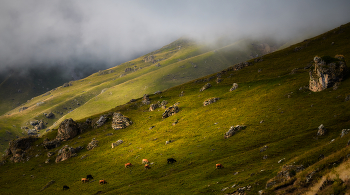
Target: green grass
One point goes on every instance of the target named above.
(289, 127)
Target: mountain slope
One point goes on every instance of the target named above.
(271, 101)
(169, 66)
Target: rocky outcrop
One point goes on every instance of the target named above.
(233, 130)
(39, 126)
(210, 101)
(117, 143)
(234, 86)
(206, 86)
(93, 144)
(321, 130)
(18, 147)
(171, 111)
(22, 108)
(67, 152)
(326, 72)
(67, 130)
(145, 99)
(120, 121)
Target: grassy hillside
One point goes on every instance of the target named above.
(174, 64)
(272, 102)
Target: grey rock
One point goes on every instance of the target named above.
(210, 101)
(68, 129)
(206, 86)
(233, 130)
(117, 143)
(344, 132)
(234, 86)
(120, 121)
(321, 130)
(93, 144)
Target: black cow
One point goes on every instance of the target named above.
(89, 177)
(171, 160)
(65, 187)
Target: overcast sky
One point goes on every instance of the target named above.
(112, 31)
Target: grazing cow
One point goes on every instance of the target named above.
(89, 177)
(128, 165)
(103, 181)
(145, 161)
(171, 160)
(84, 180)
(219, 166)
(65, 187)
(147, 166)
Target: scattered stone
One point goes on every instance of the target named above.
(68, 129)
(101, 121)
(288, 171)
(153, 107)
(117, 143)
(210, 101)
(344, 132)
(182, 94)
(309, 176)
(326, 72)
(281, 160)
(67, 84)
(22, 108)
(84, 156)
(233, 130)
(206, 86)
(47, 161)
(218, 80)
(49, 154)
(264, 157)
(157, 92)
(145, 99)
(234, 86)
(321, 130)
(263, 149)
(175, 122)
(298, 48)
(120, 121)
(92, 144)
(170, 111)
(347, 98)
(167, 142)
(149, 58)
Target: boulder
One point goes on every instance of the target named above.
(92, 144)
(171, 110)
(39, 126)
(117, 143)
(326, 71)
(65, 153)
(18, 147)
(206, 86)
(51, 144)
(210, 101)
(233, 130)
(120, 121)
(101, 121)
(153, 107)
(145, 99)
(234, 86)
(68, 129)
(321, 130)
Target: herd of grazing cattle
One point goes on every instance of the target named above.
(127, 165)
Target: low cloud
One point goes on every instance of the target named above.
(106, 33)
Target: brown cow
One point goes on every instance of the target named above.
(84, 180)
(102, 181)
(128, 165)
(145, 161)
(147, 166)
(219, 166)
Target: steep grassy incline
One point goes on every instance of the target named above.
(271, 101)
(174, 64)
